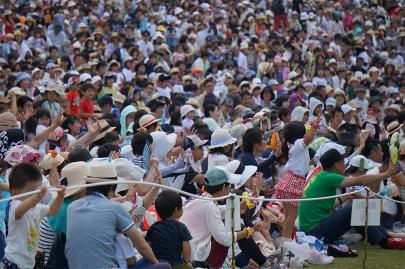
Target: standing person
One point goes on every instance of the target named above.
(278, 8)
(92, 246)
(86, 104)
(291, 186)
(73, 97)
(25, 216)
(50, 104)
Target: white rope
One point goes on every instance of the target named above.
(387, 198)
(112, 182)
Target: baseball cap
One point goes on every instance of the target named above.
(347, 108)
(193, 141)
(217, 175)
(329, 158)
(106, 99)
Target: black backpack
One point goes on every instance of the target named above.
(277, 7)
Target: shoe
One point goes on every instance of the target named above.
(341, 250)
(398, 227)
(319, 258)
(293, 263)
(396, 243)
(352, 237)
(277, 257)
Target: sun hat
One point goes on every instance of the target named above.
(16, 91)
(52, 87)
(237, 131)
(245, 171)
(221, 138)
(104, 129)
(126, 170)
(185, 109)
(217, 175)
(330, 102)
(193, 141)
(162, 143)
(52, 160)
(84, 77)
(147, 120)
(74, 174)
(101, 170)
(395, 107)
(347, 108)
(8, 121)
(362, 162)
(393, 127)
(21, 154)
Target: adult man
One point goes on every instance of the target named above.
(317, 218)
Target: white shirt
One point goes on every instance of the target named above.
(242, 62)
(145, 47)
(203, 219)
(298, 158)
(23, 236)
(123, 250)
(164, 92)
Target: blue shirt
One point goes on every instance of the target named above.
(93, 222)
(3, 206)
(166, 238)
(58, 221)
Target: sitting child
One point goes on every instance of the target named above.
(25, 216)
(169, 238)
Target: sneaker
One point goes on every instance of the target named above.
(396, 243)
(319, 258)
(277, 257)
(352, 237)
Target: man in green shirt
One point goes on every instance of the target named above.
(319, 219)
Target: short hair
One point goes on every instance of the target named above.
(293, 131)
(336, 110)
(283, 112)
(167, 202)
(79, 153)
(369, 146)
(105, 150)
(22, 174)
(139, 141)
(23, 100)
(217, 188)
(250, 138)
(209, 108)
(245, 93)
(87, 86)
(70, 119)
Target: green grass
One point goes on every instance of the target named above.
(376, 258)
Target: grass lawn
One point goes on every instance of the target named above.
(376, 258)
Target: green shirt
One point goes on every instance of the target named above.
(58, 222)
(311, 213)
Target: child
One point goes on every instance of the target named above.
(108, 87)
(169, 238)
(73, 96)
(25, 216)
(291, 186)
(86, 104)
(4, 194)
(50, 104)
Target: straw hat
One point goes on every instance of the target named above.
(147, 120)
(105, 128)
(8, 121)
(101, 170)
(115, 35)
(51, 160)
(75, 174)
(261, 46)
(126, 170)
(221, 138)
(393, 127)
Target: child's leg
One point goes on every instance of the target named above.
(291, 213)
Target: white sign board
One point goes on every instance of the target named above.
(359, 212)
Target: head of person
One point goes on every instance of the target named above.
(24, 103)
(139, 141)
(332, 161)
(195, 144)
(246, 99)
(218, 181)
(337, 116)
(373, 151)
(211, 111)
(88, 91)
(24, 177)
(293, 131)
(100, 171)
(252, 141)
(72, 124)
(169, 205)
(104, 151)
(284, 114)
(79, 154)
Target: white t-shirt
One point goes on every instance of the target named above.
(298, 158)
(23, 236)
(123, 250)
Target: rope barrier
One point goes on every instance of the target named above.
(387, 198)
(112, 182)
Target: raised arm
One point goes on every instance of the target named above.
(312, 131)
(368, 179)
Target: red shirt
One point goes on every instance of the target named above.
(74, 99)
(86, 106)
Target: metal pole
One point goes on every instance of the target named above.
(366, 231)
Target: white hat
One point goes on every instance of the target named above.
(237, 131)
(330, 102)
(178, 10)
(221, 138)
(17, 91)
(84, 77)
(347, 108)
(304, 16)
(185, 109)
(197, 142)
(162, 144)
(126, 170)
(75, 174)
(245, 172)
(101, 170)
(392, 90)
(178, 89)
(147, 120)
(244, 45)
(94, 79)
(307, 84)
(360, 161)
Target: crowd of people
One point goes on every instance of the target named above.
(284, 99)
